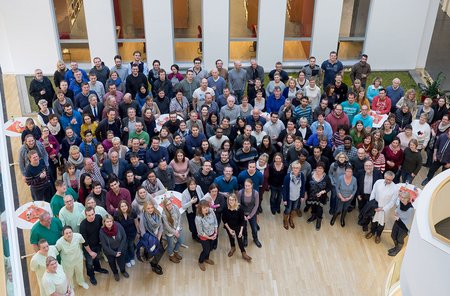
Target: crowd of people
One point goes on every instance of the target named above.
(99, 155)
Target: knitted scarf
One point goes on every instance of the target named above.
(54, 130)
(442, 128)
(141, 200)
(77, 162)
(151, 222)
(111, 232)
(395, 150)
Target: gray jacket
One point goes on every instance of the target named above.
(23, 157)
(207, 224)
(112, 245)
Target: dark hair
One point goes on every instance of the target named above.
(156, 61)
(320, 164)
(117, 56)
(348, 138)
(66, 227)
(175, 66)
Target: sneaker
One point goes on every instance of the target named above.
(93, 280)
(128, 264)
(125, 274)
(133, 263)
(84, 286)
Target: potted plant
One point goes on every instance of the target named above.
(432, 87)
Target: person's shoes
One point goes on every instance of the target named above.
(245, 241)
(246, 257)
(311, 219)
(174, 259)
(156, 269)
(214, 247)
(132, 262)
(343, 218)
(257, 243)
(102, 270)
(273, 211)
(396, 250)
(369, 235)
(333, 219)
(128, 264)
(84, 285)
(318, 223)
(425, 181)
(377, 239)
(177, 255)
(209, 261)
(116, 277)
(306, 209)
(291, 220)
(202, 266)
(93, 280)
(278, 211)
(285, 221)
(392, 249)
(125, 274)
(299, 212)
(231, 252)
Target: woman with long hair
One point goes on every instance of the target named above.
(358, 133)
(330, 96)
(100, 155)
(85, 187)
(403, 117)
(206, 149)
(394, 155)
(191, 196)
(267, 147)
(317, 187)
(388, 133)
(150, 221)
(377, 138)
(75, 157)
(366, 144)
(88, 124)
(60, 72)
(211, 124)
(249, 201)
(337, 169)
(277, 171)
(180, 166)
(165, 137)
(361, 99)
(234, 222)
(408, 99)
(379, 162)
(114, 245)
(127, 217)
(172, 229)
(218, 204)
(50, 144)
(206, 224)
(150, 121)
(71, 176)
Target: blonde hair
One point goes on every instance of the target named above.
(236, 205)
(74, 148)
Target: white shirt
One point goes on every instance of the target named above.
(385, 195)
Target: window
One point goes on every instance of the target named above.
(72, 31)
(188, 31)
(129, 17)
(298, 29)
(353, 29)
(243, 29)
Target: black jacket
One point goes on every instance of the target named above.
(367, 212)
(104, 126)
(360, 179)
(87, 109)
(36, 87)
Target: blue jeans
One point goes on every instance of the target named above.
(406, 177)
(129, 252)
(238, 94)
(275, 198)
(291, 206)
(172, 245)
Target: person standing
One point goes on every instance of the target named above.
(206, 224)
(346, 187)
(38, 178)
(114, 240)
(127, 217)
(318, 186)
(54, 279)
(441, 156)
(330, 68)
(172, 229)
(69, 247)
(277, 172)
(41, 88)
(361, 71)
(218, 204)
(293, 194)
(234, 222)
(404, 214)
(237, 79)
(249, 200)
(37, 263)
(190, 199)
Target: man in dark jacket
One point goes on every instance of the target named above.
(114, 165)
(41, 88)
(110, 123)
(366, 179)
(134, 81)
(205, 177)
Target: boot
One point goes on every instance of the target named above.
(177, 255)
(231, 252)
(246, 257)
(174, 259)
(285, 221)
(393, 249)
(397, 249)
(333, 219)
(209, 261)
(245, 241)
(202, 266)
(299, 212)
(291, 219)
(343, 218)
(318, 223)
(311, 219)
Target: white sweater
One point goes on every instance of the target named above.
(421, 133)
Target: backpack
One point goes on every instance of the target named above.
(151, 246)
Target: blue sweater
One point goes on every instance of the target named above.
(274, 105)
(286, 183)
(192, 143)
(257, 179)
(65, 122)
(152, 156)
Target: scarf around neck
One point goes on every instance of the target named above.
(442, 128)
(111, 232)
(151, 221)
(54, 130)
(77, 162)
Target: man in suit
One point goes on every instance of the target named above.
(114, 165)
(366, 179)
(129, 125)
(95, 108)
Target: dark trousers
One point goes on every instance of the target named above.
(155, 260)
(216, 241)
(238, 94)
(333, 200)
(206, 249)
(434, 167)
(191, 222)
(129, 252)
(113, 261)
(253, 226)
(406, 177)
(239, 239)
(275, 198)
(363, 201)
(317, 210)
(398, 234)
(376, 228)
(92, 264)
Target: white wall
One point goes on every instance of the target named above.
(31, 35)
(158, 26)
(101, 29)
(5, 53)
(271, 22)
(215, 32)
(394, 33)
(326, 26)
(427, 33)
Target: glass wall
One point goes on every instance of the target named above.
(72, 31)
(353, 29)
(188, 30)
(243, 29)
(130, 31)
(298, 29)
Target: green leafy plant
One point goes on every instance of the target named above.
(432, 87)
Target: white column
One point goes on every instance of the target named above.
(392, 41)
(101, 29)
(158, 26)
(30, 32)
(430, 20)
(271, 22)
(216, 32)
(326, 26)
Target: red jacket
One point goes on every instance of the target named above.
(384, 107)
(335, 121)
